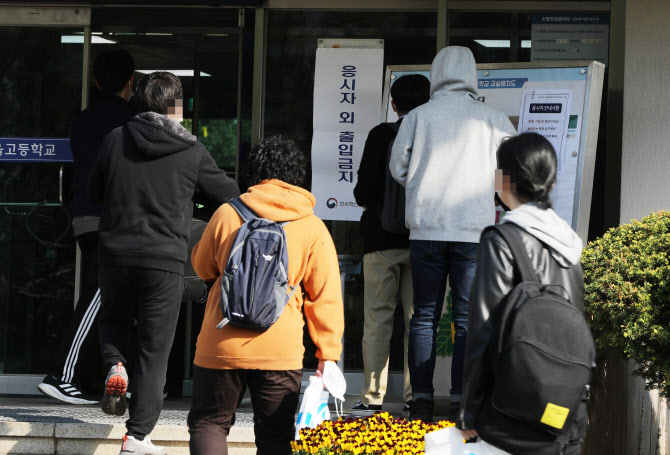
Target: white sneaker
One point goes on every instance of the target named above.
(144, 447)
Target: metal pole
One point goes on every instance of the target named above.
(196, 92)
(442, 24)
(84, 104)
(258, 104)
(240, 75)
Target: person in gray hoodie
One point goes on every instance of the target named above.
(445, 156)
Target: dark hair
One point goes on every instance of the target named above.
(530, 161)
(276, 158)
(410, 91)
(153, 92)
(112, 70)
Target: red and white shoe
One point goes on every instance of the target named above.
(143, 447)
(116, 385)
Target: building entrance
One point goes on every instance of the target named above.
(47, 79)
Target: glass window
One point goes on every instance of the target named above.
(493, 37)
(40, 94)
(409, 38)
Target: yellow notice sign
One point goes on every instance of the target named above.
(555, 416)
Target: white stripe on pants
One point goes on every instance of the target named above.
(80, 336)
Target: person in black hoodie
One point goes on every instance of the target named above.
(113, 72)
(147, 175)
(386, 266)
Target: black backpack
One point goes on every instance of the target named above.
(544, 351)
(393, 207)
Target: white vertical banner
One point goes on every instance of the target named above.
(347, 105)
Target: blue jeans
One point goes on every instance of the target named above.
(433, 262)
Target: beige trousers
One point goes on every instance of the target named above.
(388, 278)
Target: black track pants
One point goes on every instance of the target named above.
(152, 298)
(84, 318)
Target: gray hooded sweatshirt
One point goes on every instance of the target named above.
(445, 154)
(550, 229)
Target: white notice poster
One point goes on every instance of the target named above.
(547, 112)
(347, 100)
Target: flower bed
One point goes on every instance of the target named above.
(379, 434)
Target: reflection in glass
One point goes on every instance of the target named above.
(40, 93)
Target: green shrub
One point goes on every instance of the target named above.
(627, 299)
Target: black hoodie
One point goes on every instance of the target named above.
(148, 174)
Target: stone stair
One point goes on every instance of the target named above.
(102, 439)
(35, 425)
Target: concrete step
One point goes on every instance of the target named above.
(102, 439)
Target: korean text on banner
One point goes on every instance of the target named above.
(347, 100)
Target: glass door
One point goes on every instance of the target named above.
(40, 93)
(206, 50)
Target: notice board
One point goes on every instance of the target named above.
(560, 100)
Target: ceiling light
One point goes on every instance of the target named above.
(493, 42)
(501, 43)
(180, 73)
(79, 39)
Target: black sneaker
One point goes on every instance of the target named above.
(361, 409)
(422, 409)
(63, 391)
(406, 409)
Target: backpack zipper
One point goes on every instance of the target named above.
(253, 281)
(551, 353)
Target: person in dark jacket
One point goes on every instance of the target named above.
(386, 266)
(113, 72)
(526, 176)
(147, 175)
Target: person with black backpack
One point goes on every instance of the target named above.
(530, 352)
(386, 268)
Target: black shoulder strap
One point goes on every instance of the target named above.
(394, 126)
(241, 208)
(510, 233)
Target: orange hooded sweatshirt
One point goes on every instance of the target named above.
(312, 263)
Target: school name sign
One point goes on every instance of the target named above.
(347, 100)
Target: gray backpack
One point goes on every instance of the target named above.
(254, 285)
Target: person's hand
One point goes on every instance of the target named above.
(319, 369)
(469, 434)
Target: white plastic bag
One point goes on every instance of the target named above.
(314, 406)
(449, 441)
(334, 382)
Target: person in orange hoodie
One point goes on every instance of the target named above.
(269, 363)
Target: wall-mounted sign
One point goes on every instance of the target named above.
(35, 149)
(347, 96)
(569, 37)
(547, 112)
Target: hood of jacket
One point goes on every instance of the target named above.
(550, 229)
(156, 135)
(453, 71)
(279, 201)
